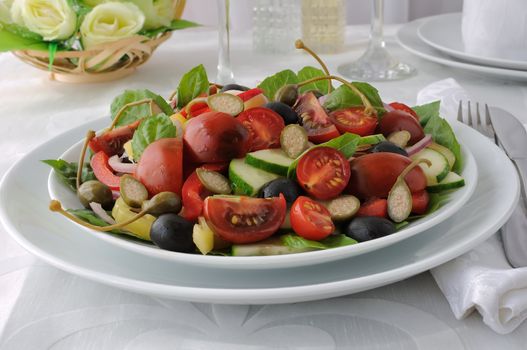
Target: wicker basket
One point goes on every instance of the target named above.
(101, 63)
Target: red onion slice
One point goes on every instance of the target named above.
(117, 165)
(425, 141)
(116, 194)
(100, 212)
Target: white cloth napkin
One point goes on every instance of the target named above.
(481, 279)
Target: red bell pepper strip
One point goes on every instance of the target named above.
(103, 172)
(247, 95)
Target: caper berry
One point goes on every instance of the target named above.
(133, 192)
(162, 203)
(95, 191)
(287, 94)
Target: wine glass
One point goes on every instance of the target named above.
(376, 64)
(225, 74)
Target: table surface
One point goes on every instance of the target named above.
(43, 307)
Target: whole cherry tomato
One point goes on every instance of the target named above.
(398, 120)
(374, 207)
(420, 202)
(402, 107)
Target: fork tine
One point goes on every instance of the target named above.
(479, 124)
(460, 111)
(469, 115)
(488, 123)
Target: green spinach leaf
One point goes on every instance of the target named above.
(333, 241)
(150, 130)
(134, 113)
(192, 84)
(67, 172)
(307, 73)
(271, 84)
(344, 97)
(90, 217)
(427, 111)
(443, 134)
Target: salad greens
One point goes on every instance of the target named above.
(333, 241)
(152, 129)
(89, 216)
(192, 84)
(344, 97)
(67, 172)
(134, 113)
(272, 84)
(309, 72)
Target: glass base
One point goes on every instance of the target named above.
(376, 64)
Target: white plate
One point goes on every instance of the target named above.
(408, 38)
(24, 213)
(443, 32)
(69, 200)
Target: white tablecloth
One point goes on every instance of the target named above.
(42, 307)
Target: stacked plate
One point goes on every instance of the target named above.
(438, 39)
(471, 215)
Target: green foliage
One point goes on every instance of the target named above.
(191, 85)
(272, 84)
(67, 172)
(152, 129)
(134, 113)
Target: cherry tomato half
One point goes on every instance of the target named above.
(265, 126)
(323, 172)
(373, 175)
(194, 193)
(310, 219)
(111, 142)
(314, 118)
(398, 120)
(215, 137)
(240, 219)
(354, 120)
(374, 207)
(402, 107)
(160, 168)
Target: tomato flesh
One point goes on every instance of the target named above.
(160, 168)
(265, 126)
(311, 220)
(215, 137)
(323, 172)
(374, 207)
(402, 107)
(374, 174)
(240, 220)
(111, 142)
(314, 118)
(354, 120)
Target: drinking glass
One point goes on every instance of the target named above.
(376, 64)
(225, 74)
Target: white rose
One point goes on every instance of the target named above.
(158, 13)
(111, 21)
(53, 19)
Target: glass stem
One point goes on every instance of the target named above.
(225, 74)
(377, 21)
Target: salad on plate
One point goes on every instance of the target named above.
(292, 165)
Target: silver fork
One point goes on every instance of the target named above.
(514, 244)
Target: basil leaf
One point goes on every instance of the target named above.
(333, 241)
(427, 111)
(134, 113)
(346, 143)
(90, 217)
(192, 84)
(176, 24)
(344, 97)
(271, 84)
(67, 172)
(307, 73)
(442, 133)
(150, 130)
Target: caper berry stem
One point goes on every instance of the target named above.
(413, 165)
(56, 206)
(89, 135)
(368, 110)
(299, 44)
(128, 105)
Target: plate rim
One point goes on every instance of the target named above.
(490, 61)
(262, 295)
(437, 56)
(288, 260)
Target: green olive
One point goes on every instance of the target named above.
(162, 203)
(133, 192)
(95, 191)
(287, 94)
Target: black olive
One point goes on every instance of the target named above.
(387, 146)
(286, 112)
(289, 188)
(172, 232)
(233, 87)
(369, 227)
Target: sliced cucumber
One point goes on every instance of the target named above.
(247, 179)
(371, 139)
(272, 160)
(444, 151)
(270, 246)
(450, 182)
(439, 169)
